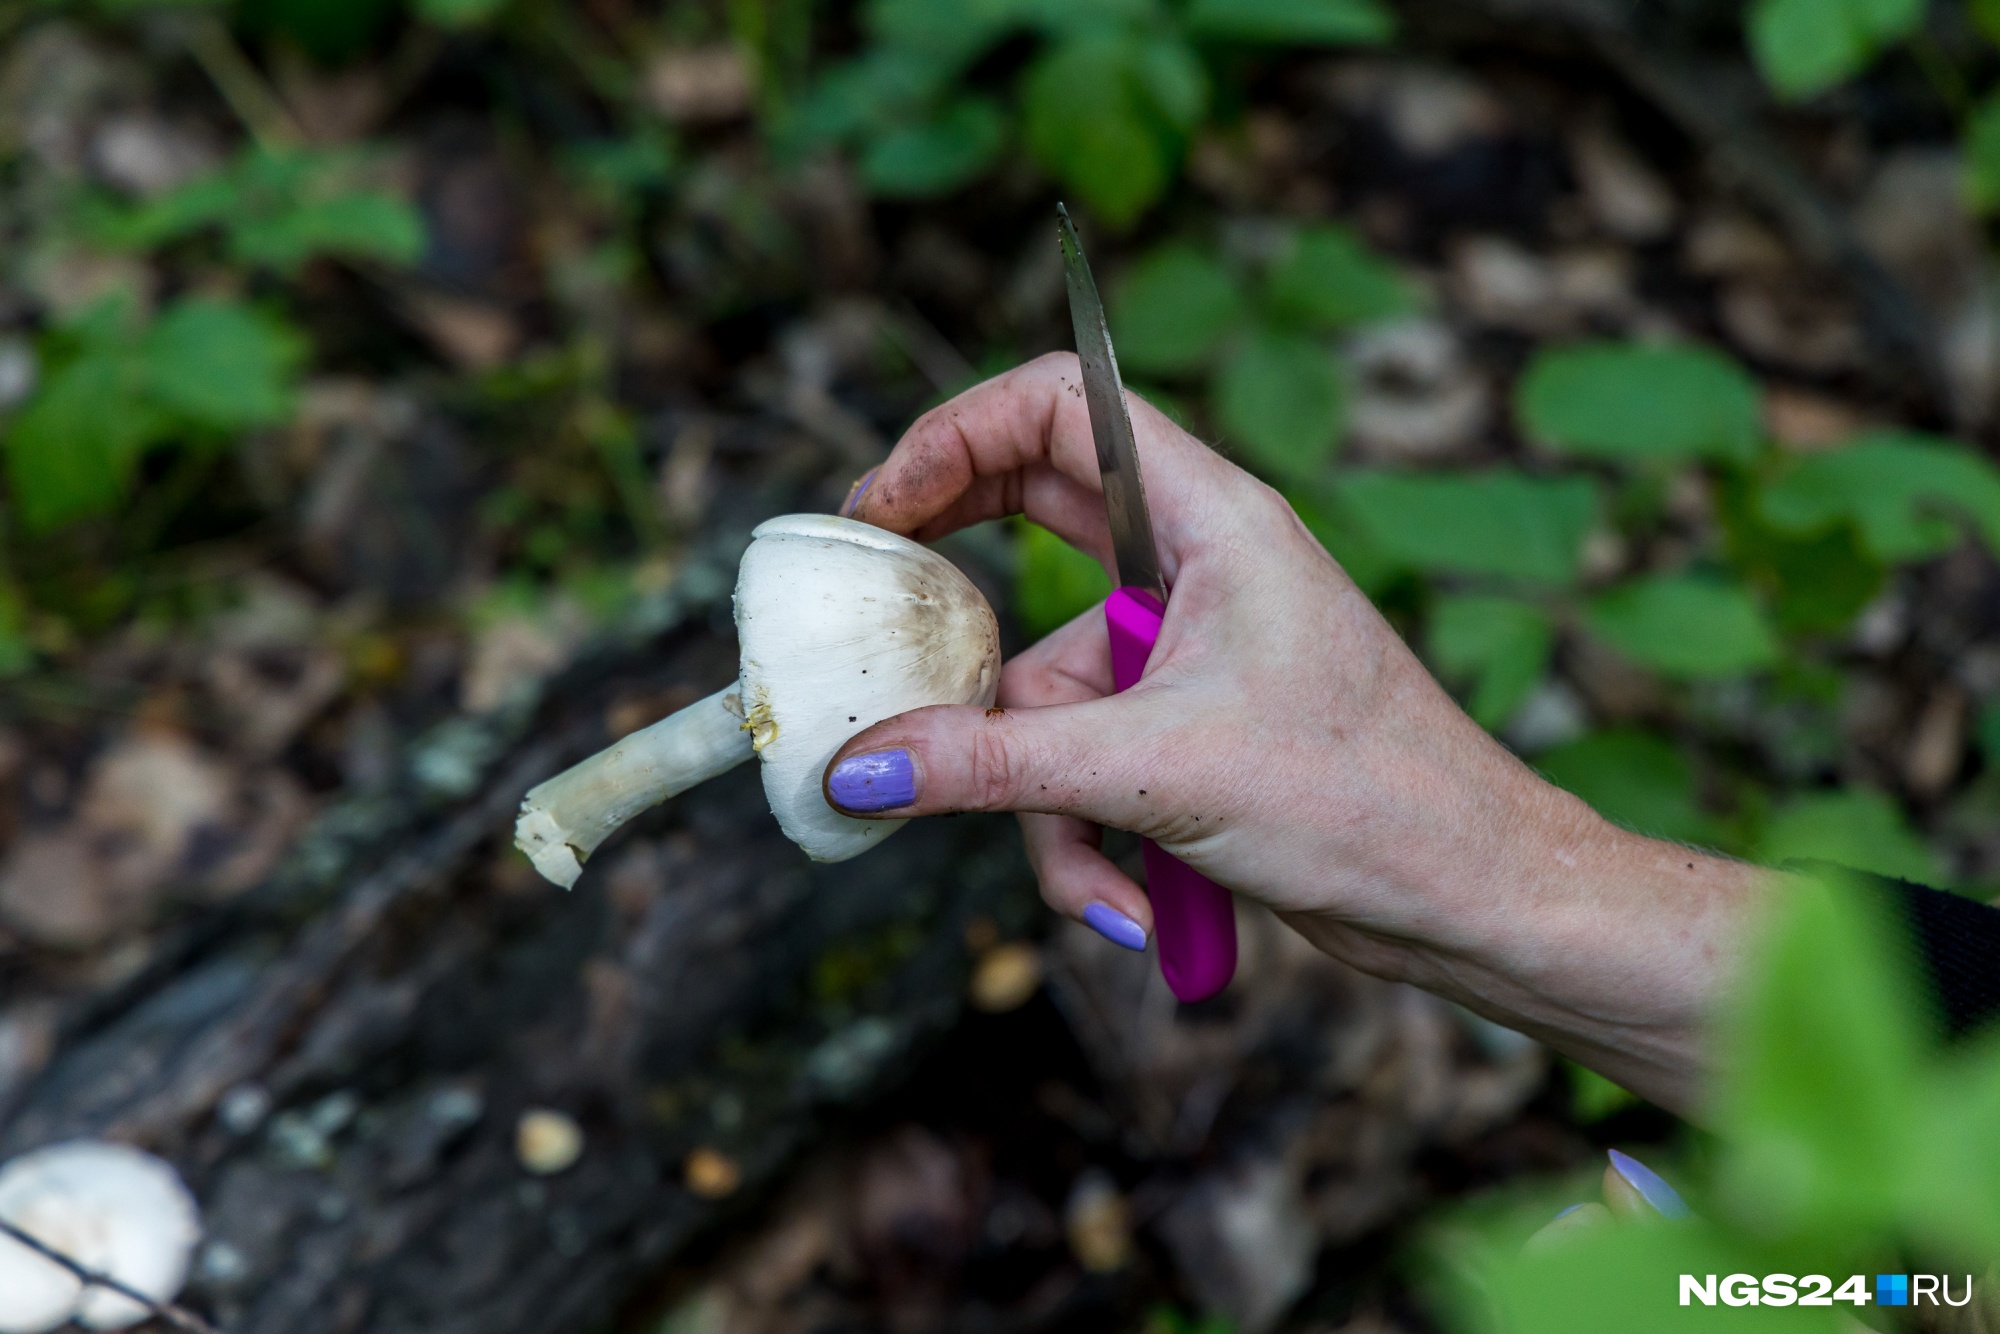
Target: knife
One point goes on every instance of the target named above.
(1194, 919)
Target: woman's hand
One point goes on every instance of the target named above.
(1287, 744)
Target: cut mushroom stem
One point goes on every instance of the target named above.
(563, 820)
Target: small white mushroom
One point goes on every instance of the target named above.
(840, 624)
(110, 1208)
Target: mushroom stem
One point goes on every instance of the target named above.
(563, 820)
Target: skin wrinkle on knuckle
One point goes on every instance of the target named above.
(991, 767)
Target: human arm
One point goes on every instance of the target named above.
(1286, 743)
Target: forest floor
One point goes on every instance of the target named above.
(567, 412)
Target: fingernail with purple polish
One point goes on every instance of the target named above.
(1115, 926)
(855, 492)
(879, 781)
(1652, 1188)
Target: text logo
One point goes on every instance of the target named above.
(1819, 1290)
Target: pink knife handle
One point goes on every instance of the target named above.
(1194, 918)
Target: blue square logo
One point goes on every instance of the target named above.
(1892, 1289)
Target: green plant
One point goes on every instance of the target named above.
(1107, 105)
(118, 383)
(116, 387)
(274, 210)
(1257, 333)
(134, 405)
(1592, 1097)
(1808, 47)
(1846, 1142)
(1053, 581)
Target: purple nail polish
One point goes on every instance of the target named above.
(855, 492)
(879, 781)
(1115, 926)
(1652, 1187)
(1566, 1213)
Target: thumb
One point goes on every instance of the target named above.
(964, 758)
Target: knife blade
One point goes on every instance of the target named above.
(1132, 546)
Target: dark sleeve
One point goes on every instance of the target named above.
(1958, 950)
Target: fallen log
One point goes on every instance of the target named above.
(338, 1062)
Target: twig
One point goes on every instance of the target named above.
(174, 1314)
(248, 95)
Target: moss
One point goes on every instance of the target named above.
(850, 969)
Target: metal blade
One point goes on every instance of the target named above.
(1110, 425)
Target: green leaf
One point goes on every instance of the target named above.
(1954, 1203)
(179, 212)
(362, 225)
(1823, 1088)
(1592, 1097)
(1500, 523)
(1685, 625)
(1986, 17)
(1636, 779)
(16, 653)
(1093, 119)
(937, 157)
(457, 14)
(1330, 278)
(1982, 153)
(1815, 581)
(951, 35)
(1626, 1279)
(221, 364)
(122, 7)
(1280, 397)
(1174, 80)
(1629, 402)
(1908, 495)
(1500, 644)
(1054, 583)
(1065, 16)
(1292, 22)
(71, 449)
(873, 93)
(333, 32)
(278, 209)
(1805, 47)
(1856, 828)
(1173, 310)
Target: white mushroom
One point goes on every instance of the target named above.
(840, 624)
(110, 1208)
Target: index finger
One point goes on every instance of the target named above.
(1020, 443)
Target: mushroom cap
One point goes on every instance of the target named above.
(109, 1207)
(841, 625)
